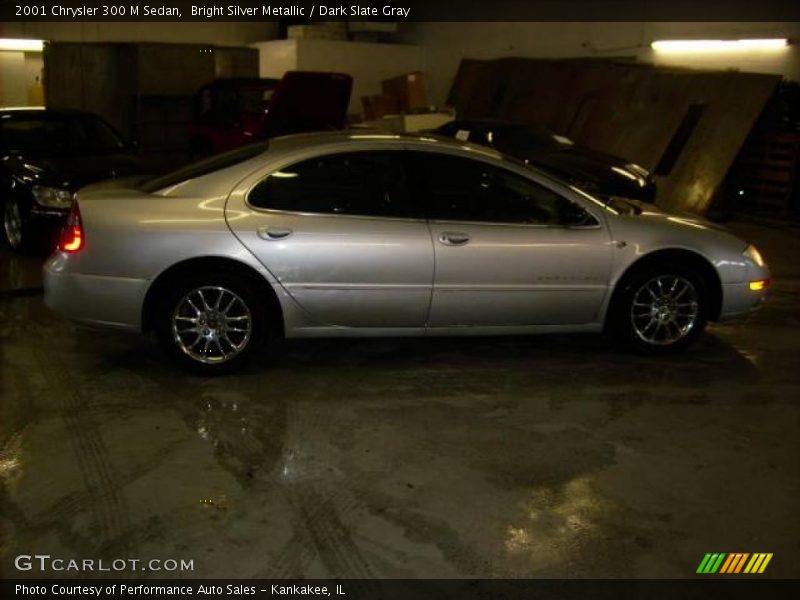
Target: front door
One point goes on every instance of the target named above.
(509, 250)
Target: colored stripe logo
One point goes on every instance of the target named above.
(734, 563)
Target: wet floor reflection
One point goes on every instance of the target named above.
(556, 522)
(18, 272)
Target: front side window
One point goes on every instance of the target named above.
(353, 183)
(461, 189)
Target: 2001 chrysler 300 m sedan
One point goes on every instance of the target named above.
(348, 234)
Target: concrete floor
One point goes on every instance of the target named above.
(512, 457)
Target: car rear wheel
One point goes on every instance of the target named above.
(210, 324)
(661, 310)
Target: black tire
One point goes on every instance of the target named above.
(633, 323)
(172, 304)
(17, 229)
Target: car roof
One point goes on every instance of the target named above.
(360, 136)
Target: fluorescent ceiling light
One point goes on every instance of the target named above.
(21, 45)
(718, 45)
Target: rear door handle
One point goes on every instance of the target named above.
(453, 238)
(274, 233)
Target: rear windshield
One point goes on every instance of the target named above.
(48, 134)
(204, 167)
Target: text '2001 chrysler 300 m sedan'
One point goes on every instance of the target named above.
(360, 234)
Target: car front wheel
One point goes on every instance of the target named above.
(661, 310)
(210, 325)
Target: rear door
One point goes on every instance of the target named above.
(340, 233)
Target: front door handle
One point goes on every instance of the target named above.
(453, 238)
(274, 233)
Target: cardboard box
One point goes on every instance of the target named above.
(377, 106)
(318, 31)
(406, 92)
(410, 123)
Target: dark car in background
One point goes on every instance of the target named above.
(593, 171)
(232, 112)
(45, 156)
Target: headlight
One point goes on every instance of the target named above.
(753, 254)
(52, 197)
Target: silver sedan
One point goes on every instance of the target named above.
(361, 234)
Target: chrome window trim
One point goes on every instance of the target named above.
(277, 211)
(528, 225)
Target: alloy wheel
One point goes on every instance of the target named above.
(12, 221)
(665, 310)
(211, 324)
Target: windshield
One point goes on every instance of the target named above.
(56, 135)
(204, 167)
(530, 137)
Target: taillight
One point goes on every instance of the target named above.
(72, 238)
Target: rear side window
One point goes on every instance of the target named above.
(354, 183)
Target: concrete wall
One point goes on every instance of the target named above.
(18, 70)
(368, 63)
(445, 44)
(18, 78)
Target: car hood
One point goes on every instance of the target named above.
(589, 165)
(654, 214)
(73, 172)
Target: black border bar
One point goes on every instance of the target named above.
(710, 588)
(418, 10)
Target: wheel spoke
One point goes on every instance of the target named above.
(674, 286)
(203, 300)
(219, 299)
(196, 330)
(677, 328)
(227, 308)
(660, 284)
(235, 347)
(190, 303)
(684, 289)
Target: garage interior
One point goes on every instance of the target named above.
(554, 456)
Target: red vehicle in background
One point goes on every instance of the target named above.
(233, 112)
